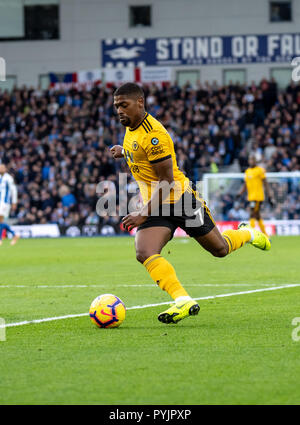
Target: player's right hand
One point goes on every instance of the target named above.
(117, 151)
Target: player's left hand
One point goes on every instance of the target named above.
(132, 220)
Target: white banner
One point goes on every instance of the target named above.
(273, 227)
(92, 76)
(155, 74)
(119, 75)
(286, 227)
(37, 230)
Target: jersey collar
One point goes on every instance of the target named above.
(132, 129)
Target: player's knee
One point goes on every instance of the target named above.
(142, 256)
(220, 252)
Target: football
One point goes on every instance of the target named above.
(107, 311)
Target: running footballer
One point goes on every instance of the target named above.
(256, 185)
(170, 200)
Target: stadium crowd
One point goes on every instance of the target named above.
(56, 142)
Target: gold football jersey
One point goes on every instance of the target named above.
(254, 178)
(147, 144)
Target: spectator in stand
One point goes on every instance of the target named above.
(237, 213)
(61, 137)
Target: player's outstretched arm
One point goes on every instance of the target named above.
(269, 193)
(243, 190)
(14, 194)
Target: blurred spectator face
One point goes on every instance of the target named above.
(252, 161)
(63, 190)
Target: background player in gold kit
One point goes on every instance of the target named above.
(256, 184)
(149, 152)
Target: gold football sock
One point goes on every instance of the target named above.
(252, 222)
(163, 273)
(236, 238)
(262, 226)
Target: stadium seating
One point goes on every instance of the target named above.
(56, 142)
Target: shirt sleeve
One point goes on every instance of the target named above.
(158, 146)
(263, 173)
(14, 191)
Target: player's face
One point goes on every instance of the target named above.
(252, 161)
(2, 169)
(129, 110)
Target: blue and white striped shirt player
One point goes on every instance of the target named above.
(8, 194)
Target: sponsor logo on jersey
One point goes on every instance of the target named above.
(154, 141)
(156, 150)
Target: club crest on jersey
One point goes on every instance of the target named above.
(135, 146)
(154, 141)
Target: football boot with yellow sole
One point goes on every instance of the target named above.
(259, 239)
(179, 311)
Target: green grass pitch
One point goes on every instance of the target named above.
(238, 350)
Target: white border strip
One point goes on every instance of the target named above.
(69, 316)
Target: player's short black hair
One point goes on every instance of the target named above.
(130, 89)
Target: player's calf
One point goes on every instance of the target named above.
(235, 239)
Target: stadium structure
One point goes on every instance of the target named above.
(223, 77)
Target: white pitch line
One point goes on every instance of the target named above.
(151, 285)
(69, 316)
